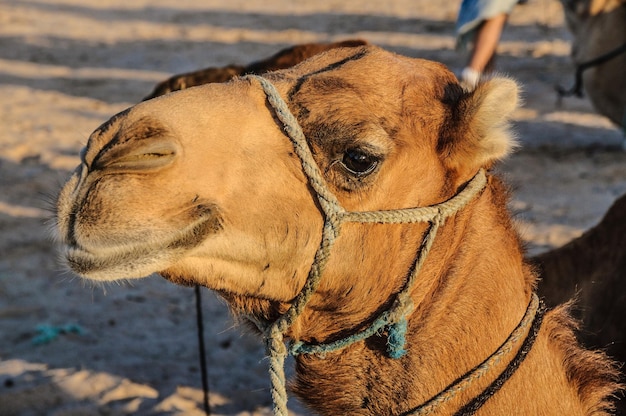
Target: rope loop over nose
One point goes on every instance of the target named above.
(327, 199)
(393, 322)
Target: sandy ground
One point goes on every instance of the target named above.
(66, 66)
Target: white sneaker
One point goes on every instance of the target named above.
(469, 78)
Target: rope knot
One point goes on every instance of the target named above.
(398, 325)
(396, 339)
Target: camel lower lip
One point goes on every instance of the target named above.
(138, 260)
(122, 265)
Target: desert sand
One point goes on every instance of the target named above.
(69, 347)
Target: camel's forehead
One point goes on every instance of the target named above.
(368, 80)
(362, 84)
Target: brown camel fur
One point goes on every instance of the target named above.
(599, 26)
(203, 187)
(285, 58)
(593, 268)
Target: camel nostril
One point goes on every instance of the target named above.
(147, 160)
(142, 144)
(152, 154)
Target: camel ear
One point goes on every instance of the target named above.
(479, 133)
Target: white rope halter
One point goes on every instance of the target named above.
(394, 319)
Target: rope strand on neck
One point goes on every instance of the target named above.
(479, 371)
(475, 404)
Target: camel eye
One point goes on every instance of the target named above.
(358, 162)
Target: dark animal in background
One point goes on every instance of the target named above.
(593, 268)
(599, 29)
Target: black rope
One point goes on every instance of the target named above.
(201, 351)
(476, 403)
(577, 89)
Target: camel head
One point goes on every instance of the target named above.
(203, 186)
(577, 11)
(597, 26)
(599, 30)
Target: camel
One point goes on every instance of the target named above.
(285, 58)
(592, 268)
(598, 28)
(346, 205)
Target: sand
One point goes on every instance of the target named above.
(68, 347)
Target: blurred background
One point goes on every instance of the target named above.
(69, 347)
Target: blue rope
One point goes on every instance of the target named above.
(48, 333)
(396, 338)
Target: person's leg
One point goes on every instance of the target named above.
(486, 42)
(484, 49)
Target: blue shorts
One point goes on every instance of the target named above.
(473, 12)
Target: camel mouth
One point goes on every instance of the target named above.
(139, 260)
